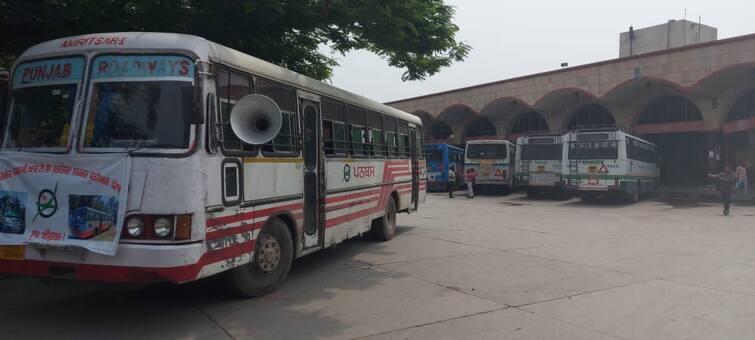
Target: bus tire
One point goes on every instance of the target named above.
(384, 228)
(271, 261)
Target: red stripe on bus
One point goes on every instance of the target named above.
(350, 196)
(350, 204)
(252, 214)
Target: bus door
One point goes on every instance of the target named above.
(415, 166)
(314, 179)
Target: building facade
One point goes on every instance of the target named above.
(697, 102)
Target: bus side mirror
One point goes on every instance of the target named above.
(191, 98)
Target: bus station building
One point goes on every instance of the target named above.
(694, 96)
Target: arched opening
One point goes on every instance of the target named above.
(455, 117)
(591, 116)
(480, 128)
(739, 130)
(439, 131)
(528, 122)
(676, 125)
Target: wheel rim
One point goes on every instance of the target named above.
(391, 218)
(268, 253)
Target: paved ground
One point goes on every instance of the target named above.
(488, 268)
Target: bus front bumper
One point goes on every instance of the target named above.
(134, 263)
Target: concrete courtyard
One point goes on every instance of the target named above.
(489, 268)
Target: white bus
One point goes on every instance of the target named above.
(493, 161)
(237, 165)
(609, 161)
(538, 163)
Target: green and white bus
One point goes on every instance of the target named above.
(609, 162)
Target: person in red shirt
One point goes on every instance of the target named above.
(470, 176)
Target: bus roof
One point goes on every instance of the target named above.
(205, 50)
(489, 141)
(446, 144)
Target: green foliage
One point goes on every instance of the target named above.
(415, 35)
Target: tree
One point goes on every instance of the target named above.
(415, 35)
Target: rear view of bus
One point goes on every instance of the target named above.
(440, 158)
(493, 161)
(609, 162)
(538, 165)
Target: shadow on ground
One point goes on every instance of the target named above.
(34, 308)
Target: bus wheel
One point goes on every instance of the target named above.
(384, 228)
(271, 261)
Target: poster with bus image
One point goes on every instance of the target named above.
(63, 200)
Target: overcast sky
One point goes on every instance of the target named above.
(515, 38)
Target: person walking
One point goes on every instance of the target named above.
(451, 184)
(470, 178)
(741, 176)
(726, 180)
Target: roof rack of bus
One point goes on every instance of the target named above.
(607, 128)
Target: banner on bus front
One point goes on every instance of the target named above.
(63, 201)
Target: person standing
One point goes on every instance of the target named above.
(741, 175)
(726, 180)
(470, 178)
(451, 184)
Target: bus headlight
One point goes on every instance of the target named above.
(135, 227)
(163, 227)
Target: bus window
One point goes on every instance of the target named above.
(434, 154)
(403, 139)
(375, 124)
(334, 127)
(487, 151)
(231, 87)
(389, 126)
(356, 119)
(420, 144)
(287, 141)
(594, 150)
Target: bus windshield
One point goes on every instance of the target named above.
(136, 102)
(487, 151)
(43, 97)
(434, 155)
(546, 152)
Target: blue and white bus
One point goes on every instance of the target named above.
(85, 222)
(440, 158)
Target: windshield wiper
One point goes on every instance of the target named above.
(156, 145)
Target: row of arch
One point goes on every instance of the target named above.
(674, 108)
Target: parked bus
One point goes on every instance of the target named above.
(538, 163)
(440, 158)
(85, 222)
(609, 161)
(248, 165)
(493, 160)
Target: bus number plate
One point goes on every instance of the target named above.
(15, 253)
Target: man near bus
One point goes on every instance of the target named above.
(470, 178)
(726, 180)
(451, 184)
